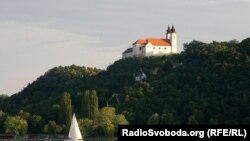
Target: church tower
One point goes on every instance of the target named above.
(173, 40)
(168, 33)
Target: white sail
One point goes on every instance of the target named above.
(74, 132)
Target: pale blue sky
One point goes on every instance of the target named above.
(37, 35)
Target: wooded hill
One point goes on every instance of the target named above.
(207, 83)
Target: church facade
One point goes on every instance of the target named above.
(153, 46)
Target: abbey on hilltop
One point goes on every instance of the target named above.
(153, 46)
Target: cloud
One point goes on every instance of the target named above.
(27, 50)
(30, 44)
(24, 34)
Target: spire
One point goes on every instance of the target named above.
(168, 30)
(173, 29)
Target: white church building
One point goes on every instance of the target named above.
(153, 46)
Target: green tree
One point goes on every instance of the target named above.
(90, 104)
(3, 96)
(107, 121)
(3, 117)
(154, 119)
(65, 113)
(192, 120)
(87, 127)
(24, 115)
(168, 118)
(35, 124)
(52, 128)
(137, 98)
(120, 120)
(245, 45)
(16, 126)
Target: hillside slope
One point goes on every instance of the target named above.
(208, 83)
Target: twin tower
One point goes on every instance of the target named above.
(172, 37)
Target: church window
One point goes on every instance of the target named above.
(154, 48)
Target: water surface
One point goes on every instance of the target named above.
(85, 139)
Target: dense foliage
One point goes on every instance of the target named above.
(207, 83)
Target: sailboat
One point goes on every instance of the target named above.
(74, 131)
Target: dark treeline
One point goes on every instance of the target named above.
(207, 83)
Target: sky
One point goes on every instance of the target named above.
(37, 35)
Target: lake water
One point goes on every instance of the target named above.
(92, 139)
(46, 137)
(86, 139)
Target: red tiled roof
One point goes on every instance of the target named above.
(129, 50)
(141, 42)
(154, 42)
(159, 42)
